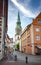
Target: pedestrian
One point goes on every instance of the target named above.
(26, 59)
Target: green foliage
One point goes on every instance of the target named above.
(17, 46)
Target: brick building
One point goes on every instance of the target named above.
(3, 25)
(31, 37)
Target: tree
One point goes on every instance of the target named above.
(17, 46)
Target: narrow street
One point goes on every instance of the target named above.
(32, 60)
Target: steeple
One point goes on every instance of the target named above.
(18, 25)
(18, 20)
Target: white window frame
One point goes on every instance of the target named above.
(37, 37)
(37, 29)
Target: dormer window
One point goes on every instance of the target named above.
(39, 21)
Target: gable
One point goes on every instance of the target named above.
(37, 20)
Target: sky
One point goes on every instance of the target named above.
(28, 10)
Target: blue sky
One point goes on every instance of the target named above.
(28, 9)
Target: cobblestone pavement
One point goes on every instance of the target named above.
(20, 61)
(31, 58)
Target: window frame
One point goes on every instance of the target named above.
(37, 29)
(39, 21)
(37, 37)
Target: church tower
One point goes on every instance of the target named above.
(18, 30)
(18, 26)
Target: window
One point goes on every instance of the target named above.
(0, 33)
(0, 42)
(0, 50)
(29, 32)
(0, 29)
(37, 29)
(0, 36)
(39, 21)
(37, 37)
(28, 38)
(0, 24)
(24, 41)
(0, 20)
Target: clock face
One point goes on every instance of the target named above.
(39, 21)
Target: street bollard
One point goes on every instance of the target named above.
(26, 59)
(15, 57)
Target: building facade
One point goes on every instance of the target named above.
(8, 44)
(3, 25)
(31, 37)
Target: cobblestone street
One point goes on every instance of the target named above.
(11, 61)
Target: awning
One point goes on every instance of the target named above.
(39, 47)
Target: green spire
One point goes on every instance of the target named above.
(18, 24)
(18, 20)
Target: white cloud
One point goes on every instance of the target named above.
(25, 11)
